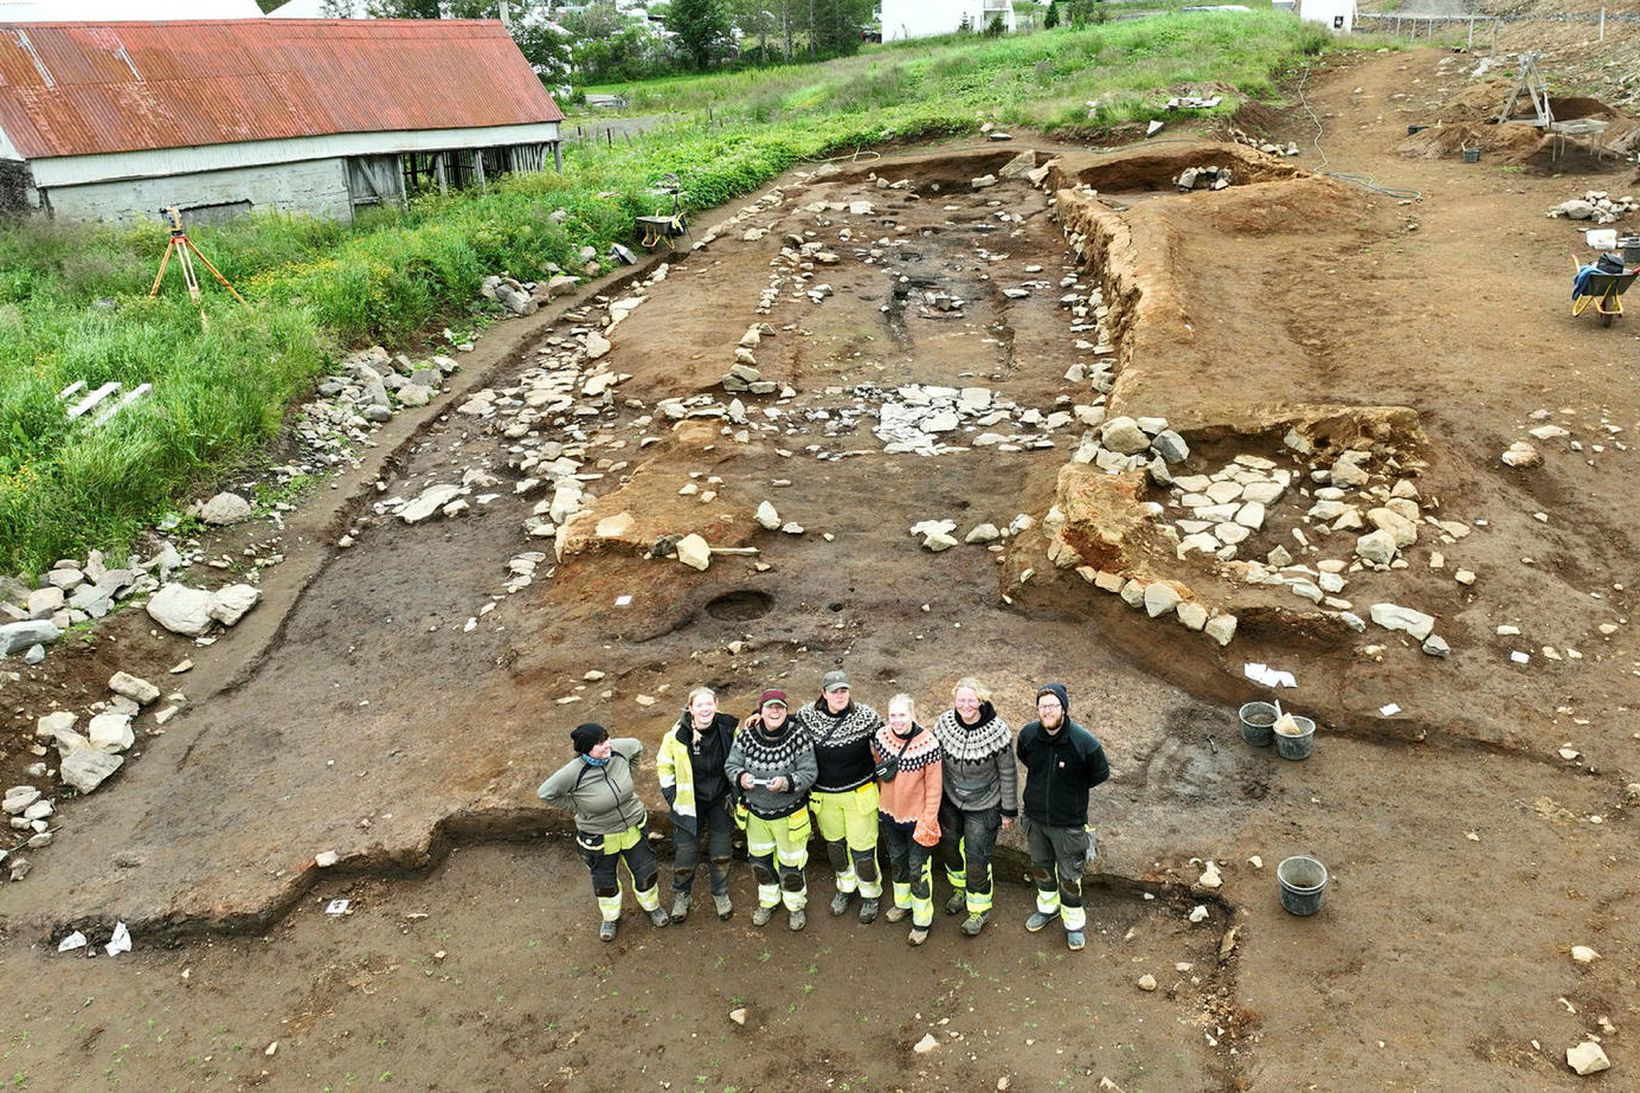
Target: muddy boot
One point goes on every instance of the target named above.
(840, 902)
(762, 915)
(606, 931)
(1076, 940)
(798, 919)
(1039, 919)
(973, 924)
(918, 935)
(868, 912)
(957, 903)
(680, 906)
(659, 917)
(724, 907)
(896, 913)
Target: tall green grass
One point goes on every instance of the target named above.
(74, 306)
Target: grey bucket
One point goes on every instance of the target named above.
(1258, 735)
(1296, 747)
(1471, 155)
(1303, 882)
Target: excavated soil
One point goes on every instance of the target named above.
(359, 710)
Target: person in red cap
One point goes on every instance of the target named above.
(771, 763)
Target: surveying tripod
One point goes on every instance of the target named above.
(184, 249)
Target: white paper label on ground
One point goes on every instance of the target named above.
(1269, 677)
(623, 601)
(336, 907)
(120, 942)
(1520, 658)
(75, 940)
(1389, 709)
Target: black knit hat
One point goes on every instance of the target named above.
(1058, 691)
(587, 736)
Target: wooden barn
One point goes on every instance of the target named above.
(111, 121)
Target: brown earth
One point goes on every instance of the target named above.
(354, 711)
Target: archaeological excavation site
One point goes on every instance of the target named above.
(1311, 493)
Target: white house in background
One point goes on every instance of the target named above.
(1335, 15)
(67, 11)
(110, 121)
(322, 9)
(904, 19)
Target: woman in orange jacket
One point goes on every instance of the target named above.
(909, 786)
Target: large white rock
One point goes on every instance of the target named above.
(1122, 434)
(1251, 515)
(224, 508)
(87, 768)
(694, 552)
(1161, 598)
(181, 610)
(137, 690)
(1376, 547)
(597, 345)
(230, 602)
(1587, 1058)
(1395, 525)
(432, 499)
(49, 725)
(111, 732)
(1221, 628)
(45, 602)
(1395, 617)
(21, 635)
(1192, 614)
(768, 517)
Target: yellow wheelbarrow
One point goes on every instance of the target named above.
(1601, 284)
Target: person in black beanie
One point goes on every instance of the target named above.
(1063, 762)
(597, 785)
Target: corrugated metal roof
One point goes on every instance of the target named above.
(80, 88)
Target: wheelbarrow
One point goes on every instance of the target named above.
(1602, 285)
(666, 226)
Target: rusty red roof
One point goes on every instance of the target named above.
(81, 88)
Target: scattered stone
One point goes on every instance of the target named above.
(1123, 435)
(182, 610)
(1394, 617)
(597, 345)
(694, 552)
(224, 509)
(45, 602)
(19, 798)
(1161, 598)
(1210, 876)
(983, 533)
(432, 500)
(738, 1015)
(49, 725)
(1147, 982)
(1376, 548)
(1221, 628)
(1192, 614)
(86, 768)
(926, 1044)
(34, 654)
(230, 602)
(1521, 454)
(768, 517)
(1587, 1058)
(1436, 646)
(111, 732)
(1198, 914)
(137, 690)
(1583, 954)
(326, 858)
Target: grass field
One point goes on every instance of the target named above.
(73, 303)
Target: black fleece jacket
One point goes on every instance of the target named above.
(1061, 768)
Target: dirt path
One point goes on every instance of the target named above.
(416, 690)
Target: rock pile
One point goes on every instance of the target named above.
(1596, 205)
(1203, 178)
(1262, 145)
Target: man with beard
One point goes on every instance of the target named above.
(1063, 762)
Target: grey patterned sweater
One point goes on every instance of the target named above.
(980, 771)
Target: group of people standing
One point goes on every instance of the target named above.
(942, 793)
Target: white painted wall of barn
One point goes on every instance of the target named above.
(171, 162)
(317, 187)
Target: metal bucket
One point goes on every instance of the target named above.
(1296, 747)
(1303, 882)
(1471, 155)
(1257, 719)
(1630, 246)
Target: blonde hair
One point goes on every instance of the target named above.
(969, 683)
(697, 692)
(904, 699)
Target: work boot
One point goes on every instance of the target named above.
(659, 917)
(1075, 939)
(896, 913)
(918, 935)
(724, 907)
(606, 930)
(680, 906)
(957, 903)
(1039, 919)
(762, 915)
(839, 903)
(973, 924)
(868, 912)
(798, 919)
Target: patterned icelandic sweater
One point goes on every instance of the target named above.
(789, 755)
(979, 768)
(842, 743)
(913, 796)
